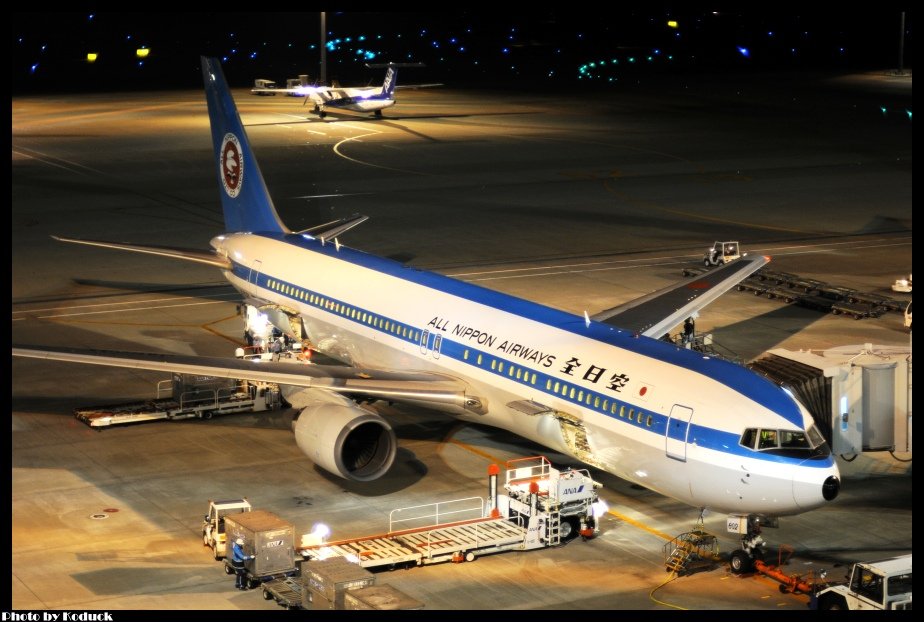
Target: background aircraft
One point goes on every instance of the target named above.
(605, 390)
(363, 99)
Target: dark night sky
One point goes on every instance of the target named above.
(460, 48)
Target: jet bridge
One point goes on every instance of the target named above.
(859, 396)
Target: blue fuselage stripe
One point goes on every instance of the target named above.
(614, 408)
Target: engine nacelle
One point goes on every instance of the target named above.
(346, 440)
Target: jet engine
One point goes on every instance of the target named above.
(346, 440)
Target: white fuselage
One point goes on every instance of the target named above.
(660, 416)
(366, 99)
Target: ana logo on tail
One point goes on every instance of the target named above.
(231, 165)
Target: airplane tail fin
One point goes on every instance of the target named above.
(391, 79)
(245, 200)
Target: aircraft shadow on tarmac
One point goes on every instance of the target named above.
(794, 317)
(389, 121)
(404, 117)
(219, 290)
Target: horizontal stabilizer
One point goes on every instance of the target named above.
(330, 230)
(657, 313)
(207, 257)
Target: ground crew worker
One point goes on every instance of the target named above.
(276, 348)
(238, 557)
(688, 328)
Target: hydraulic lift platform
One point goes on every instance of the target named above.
(184, 397)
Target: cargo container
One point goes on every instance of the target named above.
(380, 597)
(324, 582)
(268, 539)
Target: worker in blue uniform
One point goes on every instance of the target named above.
(238, 557)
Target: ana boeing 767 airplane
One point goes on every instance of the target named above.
(602, 389)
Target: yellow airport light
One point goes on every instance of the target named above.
(672, 24)
(142, 52)
(91, 57)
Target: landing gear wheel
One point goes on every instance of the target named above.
(739, 562)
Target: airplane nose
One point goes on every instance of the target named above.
(812, 489)
(830, 488)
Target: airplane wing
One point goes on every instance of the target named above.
(399, 386)
(207, 257)
(655, 314)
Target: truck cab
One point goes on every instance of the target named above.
(721, 253)
(213, 524)
(262, 86)
(884, 584)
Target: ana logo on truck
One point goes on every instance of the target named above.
(274, 544)
(574, 491)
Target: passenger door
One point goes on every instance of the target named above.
(678, 428)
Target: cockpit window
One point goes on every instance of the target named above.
(794, 443)
(793, 439)
(748, 438)
(768, 440)
(815, 437)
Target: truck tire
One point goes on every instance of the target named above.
(832, 602)
(267, 595)
(706, 262)
(569, 529)
(470, 556)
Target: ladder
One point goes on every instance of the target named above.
(696, 545)
(679, 557)
(554, 528)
